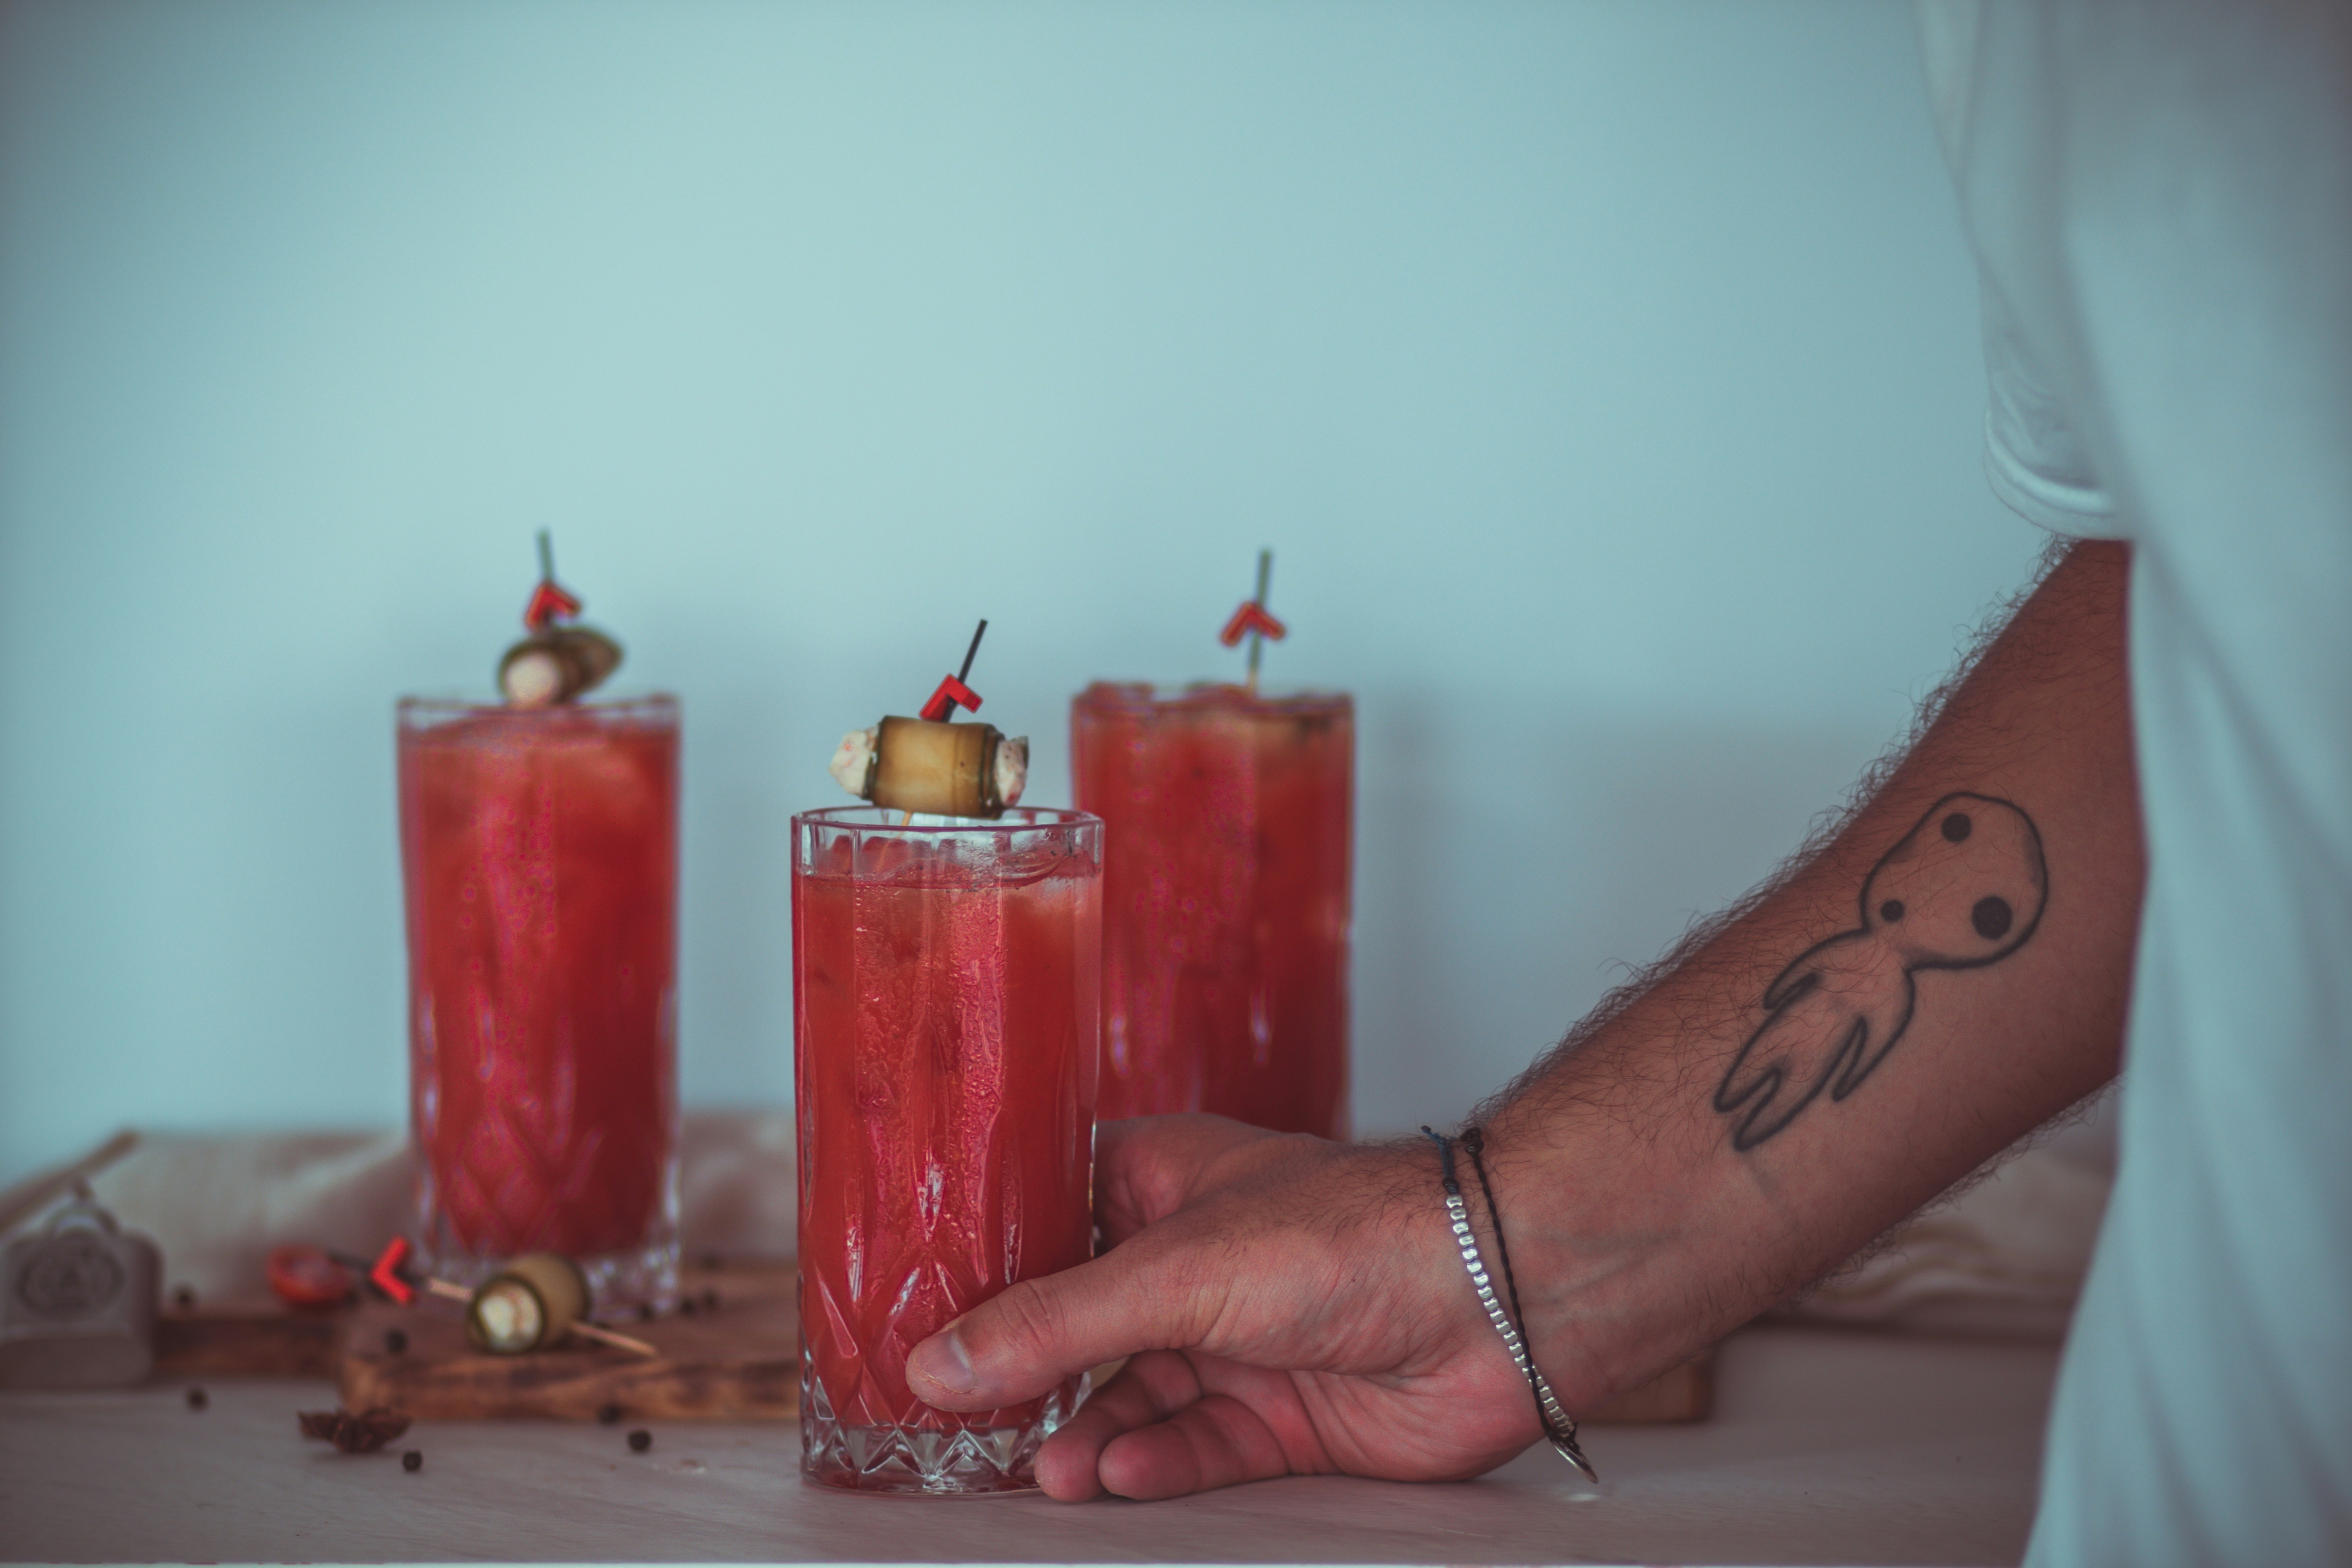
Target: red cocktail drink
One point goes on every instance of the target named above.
(1225, 903)
(540, 849)
(946, 986)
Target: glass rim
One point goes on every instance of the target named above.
(1138, 695)
(467, 707)
(881, 819)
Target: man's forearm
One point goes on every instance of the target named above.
(1946, 974)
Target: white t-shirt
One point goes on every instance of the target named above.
(2160, 198)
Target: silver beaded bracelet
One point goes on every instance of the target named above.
(1559, 1428)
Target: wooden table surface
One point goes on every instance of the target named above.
(1828, 1446)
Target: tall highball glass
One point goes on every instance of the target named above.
(946, 978)
(1226, 895)
(540, 852)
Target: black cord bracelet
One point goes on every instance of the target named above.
(1559, 1428)
(1475, 1141)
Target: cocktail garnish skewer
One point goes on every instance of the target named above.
(1257, 633)
(1254, 621)
(388, 1275)
(548, 602)
(450, 1290)
(559, 660)
(930, 764)
(950, 693)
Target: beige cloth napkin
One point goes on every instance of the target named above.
(2006, 1257)
(2003, 1257)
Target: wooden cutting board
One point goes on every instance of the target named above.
(739, 1360)
(1685, 1394)
(247, 1339)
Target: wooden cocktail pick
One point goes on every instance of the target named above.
(531, 1303)
(1254, 621)
(951, 692)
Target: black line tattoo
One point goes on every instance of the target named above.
(1963, 888)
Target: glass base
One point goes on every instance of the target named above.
(935, 1459)
(623, 1284)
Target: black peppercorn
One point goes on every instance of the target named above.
(412, 1461)
(198, 1399)
(687, 1305)
(395, 1342)
(640, 1440)
(645, 1312)
(185, 1298)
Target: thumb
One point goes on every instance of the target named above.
(1018, 1344)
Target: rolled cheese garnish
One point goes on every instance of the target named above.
(853, 761)
(1012, 770)
(532, 676)
(556, 664)
(532, 1303)
(922, 764)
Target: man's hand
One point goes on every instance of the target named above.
(1305, 1308)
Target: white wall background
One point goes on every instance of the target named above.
(1604, 375)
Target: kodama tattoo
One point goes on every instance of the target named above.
(1963, 888)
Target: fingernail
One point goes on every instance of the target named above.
(941, 1359)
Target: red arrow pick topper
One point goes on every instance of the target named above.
(951, 695)
(1252, 616)
(548, 603)
(386, 1273)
